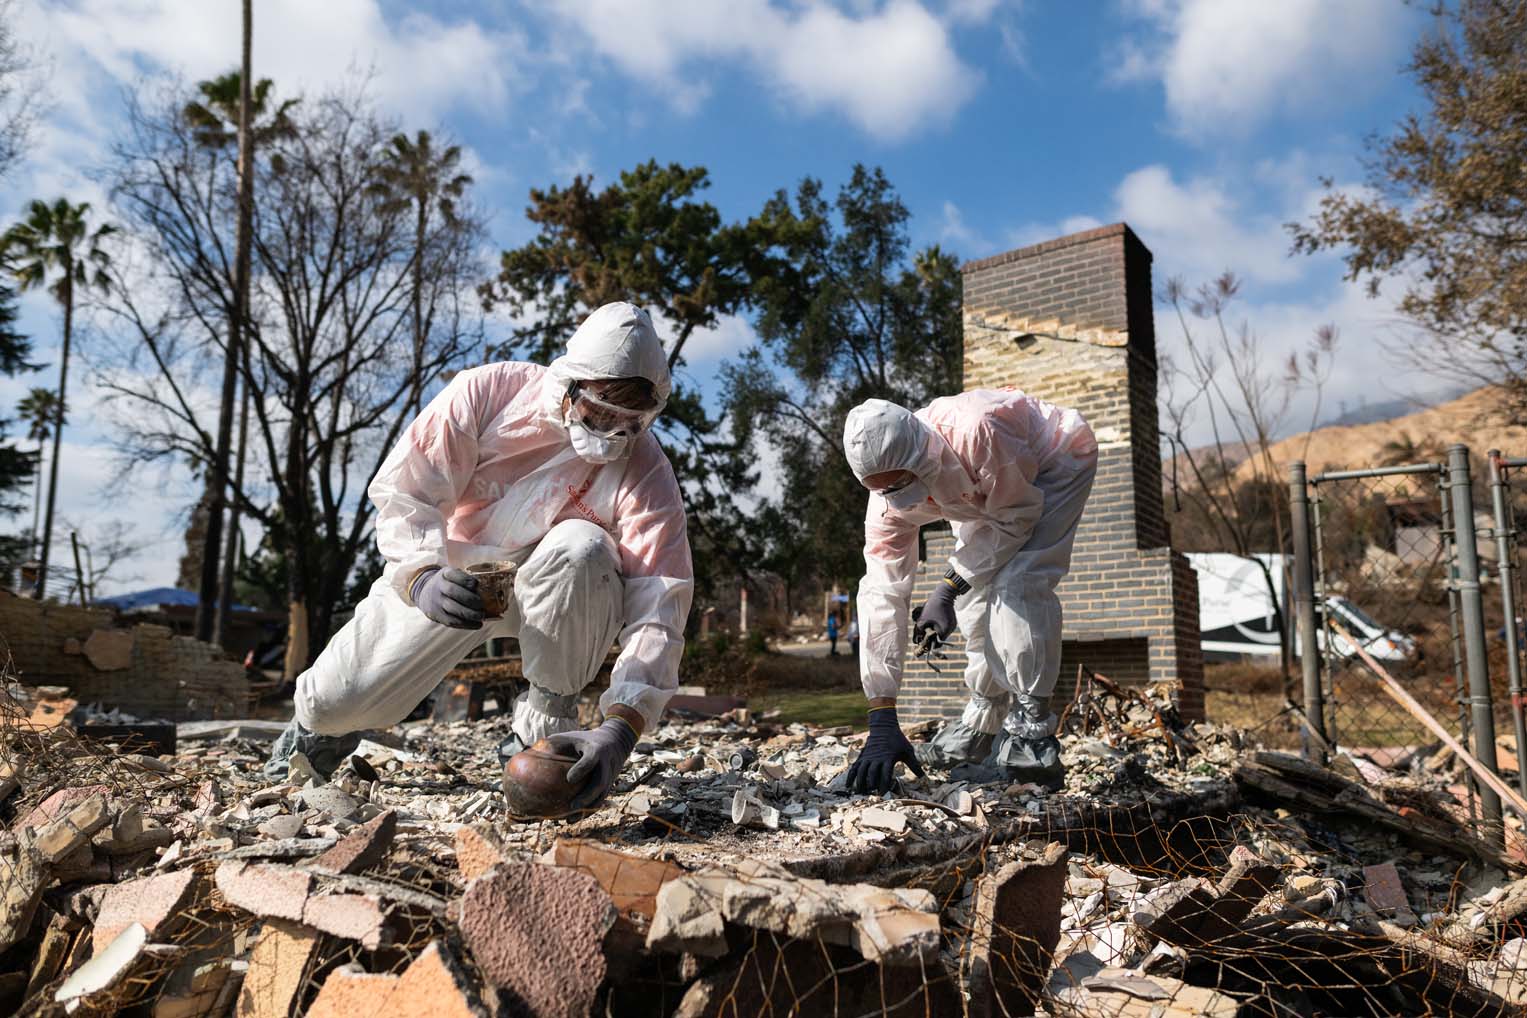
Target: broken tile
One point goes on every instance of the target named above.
(432, 986)
(477, 851)
(883, 819)
(56, 805)
(1014, 931)
(631, 881)
(362, 848)
(538, 932)
(278, 966)
(156, 903)
(105, 967)
(1385, 894)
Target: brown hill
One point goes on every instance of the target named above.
(1473, 419)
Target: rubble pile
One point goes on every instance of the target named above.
(1181, 872)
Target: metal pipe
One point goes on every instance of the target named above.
(1304, 608)
(1513, 461)
(1471, 601)
(1354, 475)
(1505, 548)
(1326, 660)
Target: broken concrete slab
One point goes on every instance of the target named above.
(351, 916)
(362, 848)
(241, 728)
(631, 881)
(331, 799)
(538, 932)
(432, 986)
(886, 925)
(156, 903)
(278, 967)
(1015, 927)
(889, 820)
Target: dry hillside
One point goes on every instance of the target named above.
(1472, 419)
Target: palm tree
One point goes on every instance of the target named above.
(39, 410)
(55, 247)
(417, 178)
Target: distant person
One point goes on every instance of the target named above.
(852, 633)
(832, 633)
(1012, 473)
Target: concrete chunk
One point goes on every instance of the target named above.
(477, 851)
(22, 878)
(270, 891)
(66, 835)
(56, 805)
(538, 932)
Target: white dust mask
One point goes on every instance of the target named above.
(909, 497)
(595, 448)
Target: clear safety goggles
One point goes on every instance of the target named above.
(894, 488)
(605, 418)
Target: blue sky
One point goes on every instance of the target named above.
(1205, 124)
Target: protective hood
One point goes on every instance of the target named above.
(616, 341)
(880, 436)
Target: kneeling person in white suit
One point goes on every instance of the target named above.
(1012, 473)
(554, 468)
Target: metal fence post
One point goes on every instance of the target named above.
(1304, 609)
(1505, 546)
(1473, 609)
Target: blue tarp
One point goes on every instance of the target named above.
(144, 600)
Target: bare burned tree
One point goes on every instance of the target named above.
(1234, 497)
(21, 90)
(331, 365)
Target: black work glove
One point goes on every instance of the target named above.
(875, 770)
(602, 753)
(448, 596)
(935, 619)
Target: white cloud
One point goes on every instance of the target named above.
(729, 337)
(1226, 64)
(422, 66)
(960, 236)
(890, 69)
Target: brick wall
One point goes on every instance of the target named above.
(1131, 602)
(168, 677)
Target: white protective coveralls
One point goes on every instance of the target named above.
(487, 471)
(1012, 473)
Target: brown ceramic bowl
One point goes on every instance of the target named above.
(536, 785)
(495, 584)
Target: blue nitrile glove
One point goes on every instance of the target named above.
(448, 596)
(875, 770)
(936, 617)
(602, 753)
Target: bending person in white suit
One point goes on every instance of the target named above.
(554, 468)
(1012, 473)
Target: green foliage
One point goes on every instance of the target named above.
(214, 119)
(16, 466)
(845, 314)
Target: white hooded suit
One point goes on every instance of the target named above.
(487, 471)
(1012, 473)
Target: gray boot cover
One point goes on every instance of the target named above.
(956, 743)
(1027, 750)
(324, 752)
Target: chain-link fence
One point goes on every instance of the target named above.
(1406, 581)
